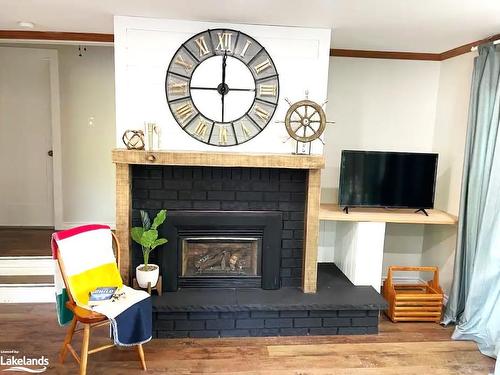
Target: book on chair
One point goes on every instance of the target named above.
(101, 295)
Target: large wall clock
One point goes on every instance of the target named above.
(222, 87)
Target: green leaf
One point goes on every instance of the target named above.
(146, 222)
(159, 219)
(158, 242)
(136, 233)
(149, 237)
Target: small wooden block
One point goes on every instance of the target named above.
(149, 288)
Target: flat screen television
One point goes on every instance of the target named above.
(387, 179)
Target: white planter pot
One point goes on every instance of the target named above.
(145, 277)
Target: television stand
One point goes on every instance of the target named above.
(346, 209)
(422, 210)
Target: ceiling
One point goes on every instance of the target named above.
(390, 25)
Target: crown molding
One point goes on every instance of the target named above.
(395, 55)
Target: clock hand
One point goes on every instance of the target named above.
(223, 93)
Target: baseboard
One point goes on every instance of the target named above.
(69, 225)
(19, 293)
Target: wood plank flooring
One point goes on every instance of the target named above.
(403, 348)
(25, 242)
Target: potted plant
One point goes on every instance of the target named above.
(147, 237)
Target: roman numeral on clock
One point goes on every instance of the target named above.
(245, 48)
(224, 41)
(179, 60)
(222, 135)
(178, 88)
(202, 46)
(267, 90)
(244, 131)
(201, 129)
(259, 68)
(184, 111)
(261, 113)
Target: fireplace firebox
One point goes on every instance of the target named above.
(222, 249)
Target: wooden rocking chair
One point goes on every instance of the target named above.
(89, 319)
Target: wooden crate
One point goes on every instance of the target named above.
(422, 302)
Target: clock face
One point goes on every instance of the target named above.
(222, 87)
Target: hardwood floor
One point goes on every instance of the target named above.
(25, 242)
(403, 348)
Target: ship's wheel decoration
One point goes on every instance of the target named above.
(305, 121)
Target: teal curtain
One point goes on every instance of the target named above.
(474, 303)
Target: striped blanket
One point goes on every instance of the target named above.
(89, 263)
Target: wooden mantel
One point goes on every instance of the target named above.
(313, 163)
(218, 159)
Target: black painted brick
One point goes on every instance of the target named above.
(140, 193)
(192, 195)
(162, 194)
(242, 314)
(233, 185)
(220, 324)
(189, 325)
(206, 205)
(146, 184)
(352, 313)
(298, 215)
(287, 234)
(373, 312)
(323, 313)
(172, 334)
(298, 197)
(285, 272)
(221, 195)
(265, 332)
(366, 321)
(250, 323)
(180, 205)
(263, 206)
(293, 314)
(207, 185)
(293, 225)
(173, 315)
(336, 322)
(278, 323)
(264, 186)
(293, 331)
(291, 262)
(307, 322)
(291, 206)
(204, 334)
(292, 244)
(290, 282)
(352, 331)
(277, 196)
(264, 314)
(177, 184)
(227, 315)
(291, 186)
(372, 330)
(323, 331)
(286, 253)
(249, 196)
(163, 325)
(203, 315)
(238, 206)
(235, 333)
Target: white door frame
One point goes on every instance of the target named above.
(55, 101)
(51, 55)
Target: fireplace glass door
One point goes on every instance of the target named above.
(233, 259)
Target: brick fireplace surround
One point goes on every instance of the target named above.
(287, 186)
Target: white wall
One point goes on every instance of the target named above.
(87, 132)
(449, 141)
(379, 105)
(144, 48)
(88, 135)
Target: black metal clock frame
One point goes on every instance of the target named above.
(184, 127)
